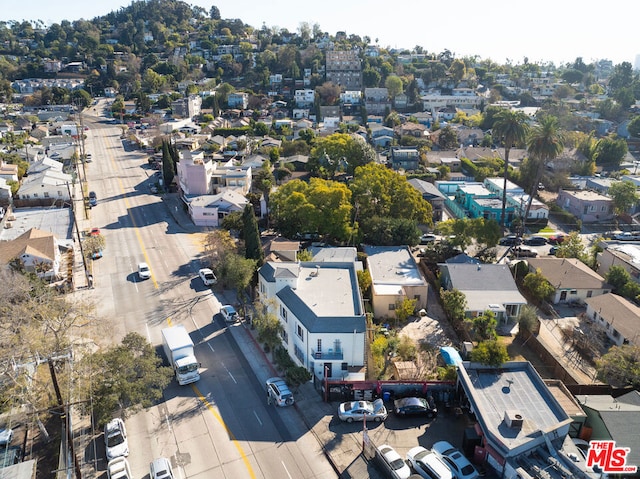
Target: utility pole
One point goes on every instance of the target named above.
(65, 417)
(75, 223)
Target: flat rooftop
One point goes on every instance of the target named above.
(58, 221)
(514, 387)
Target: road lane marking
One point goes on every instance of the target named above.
(234, 379)
(212, 410)
(257, 417)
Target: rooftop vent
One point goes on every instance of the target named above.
(315, 273)
(513, 419)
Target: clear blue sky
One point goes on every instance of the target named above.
(546, 30)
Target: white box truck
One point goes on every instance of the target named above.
(178, 348)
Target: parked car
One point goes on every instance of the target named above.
(229, 313)
(395, 462)
(553, 250)
(359, 410)
(626, 236)
(457, 462)
(279, 392)
(94, 232)
(535, 241)
(144, 272)
(524, 251)
(510, 240)
(115, 439)
(428, 464)
(93, 198)
(118, 468)
(96, 254)
(160, 468)
(556, 239)
(415, 406)
(427, 238)
(207, 276)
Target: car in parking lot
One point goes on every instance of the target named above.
(359, 410)
(510, 240)
(144, 272)
(229, 313)
(115, 439)
(428, 464)
(207, 276)
(553, 250)
(457, 462)
(535, 241)
(400, 468)
(524, 251)
(118, 468)
(556, 239)
(160, 468)
(415, 406)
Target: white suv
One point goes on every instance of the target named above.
(278, 392)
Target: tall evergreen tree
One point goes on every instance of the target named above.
(168, 167)
(253, 245)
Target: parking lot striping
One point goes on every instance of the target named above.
(285, 469)
(257, 417)
(211, 409)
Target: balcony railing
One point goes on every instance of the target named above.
(328, 354)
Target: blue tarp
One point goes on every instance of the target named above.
(451, 356)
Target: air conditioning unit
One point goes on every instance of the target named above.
(513, 419)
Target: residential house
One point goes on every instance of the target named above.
(412, 129)
(573, 281)
(521, 423)
(538, 212)
(626, 255)
(329, 111)
(619, 317)
(8, 171)
(277, 248)
(39, 252)
(587, 206)
(5, 196)
(210, 210)
(405, 158)
(238, 100)
(487, 287)
(47, 187)
(194, 172)
(430, 193)
(188, 107)
(321, 312)
(376, 101)
(612, 418)
(395, 276)
(435, 101)
(304, 98)
(477, 201)
(351, 98)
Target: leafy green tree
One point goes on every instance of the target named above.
(538, 286)
(237, 272)
(339, 152)
(219, 243)
(364, 281)
(407, 350)
(93, 244)
(393, 84)
(620, 367)
(544, 144)
(253, 244)
(268, 326)
(320, 206)
(168, 167)
(572, 247)
(491, 353)
(296, 376)
(404, 309)
(484, 326)
(634, 127)
(624, 195)
(611, 151)
(511, 128)
(381, 192)
(448, 138)
(125, 377)
(454, 303)
(617, 277)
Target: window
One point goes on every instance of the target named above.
(616, 334)
(392, 306)
(283, 313)
(573, 291)
(46, 194)
(589, 294)
(319, 348)
(416, 297)
(345, 366)
(285, 337)
(299, 331)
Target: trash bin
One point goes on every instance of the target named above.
(386, 396)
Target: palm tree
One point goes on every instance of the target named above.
(544, 145)
(511, 127)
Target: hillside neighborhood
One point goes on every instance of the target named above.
(388, 223)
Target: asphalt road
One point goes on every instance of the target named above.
(221, 426)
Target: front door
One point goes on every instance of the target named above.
(563, 296)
